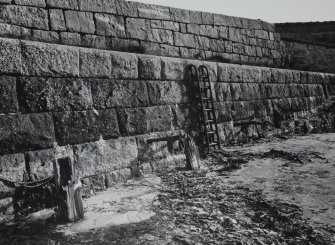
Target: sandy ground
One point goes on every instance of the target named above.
(272, 192)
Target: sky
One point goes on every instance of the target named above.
(274, 11)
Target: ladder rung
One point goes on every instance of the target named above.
(211, 132)
(206, 98)
(213, 144)
(211, 109)
(209, 121)
(205, 87)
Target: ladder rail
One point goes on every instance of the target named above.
(204, 74)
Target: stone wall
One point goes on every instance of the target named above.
(99, 107)
(136, 27)
(308, 57)
(311, 32)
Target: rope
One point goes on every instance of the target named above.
(29, 184)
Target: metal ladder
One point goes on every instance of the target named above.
(204, 96)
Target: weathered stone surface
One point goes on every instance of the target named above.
(124, 65)
(38, 94)
(110, 25)
(57, 20)
(224, 20)
(180, 15)
(24, 16)
(5, 1)
(153, 11)
(64, 4)
(12, 167)
(185, 40)
(85, 126)
(26, 132)
(209, 31)
(170, 25)
(161, 36)
(224, 112)
(40, 163)
(195, 17)
(117, 176)
(10, 56)
(70, 38)
(37, 3)
(126, 8)
(222, 91)
(194, 29)
(95, 63)
(251, 74)
(105, 156)
(105, 6)
(45, 36)
(173, 69)
(138, 28)
(166, 92)
(119, 93)
(137, 121)
(94, 41)
(79, 21)
(8, 95)
(149, 67)
(40, 59)
(184, 116)
(236, 91)
(7, 30)
(168, 50)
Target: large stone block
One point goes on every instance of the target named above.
(251, 74)
(124, 65)
(10, 56)
(40, 59)
(138, 28)
(185, 40)
(173, 69)
(70, 38)
(94, 41)
(149, 67)
(80, 21)
(36, 3)
(222, 91)
(224, 20)
(12, 167)
(116, 93)
(8, 95)
(105, 156)
(209, 31)
(63, 4)
(95, 63)
(180, 15)
(224, 113)
(85, 126)
(26, 132)
(7, 30)
(24, 16)
(161, 36)
(105, 6)
(135, 121)
(126, 8)
(236, 91)
(57, 20)
(40, 163)
(251, 91)
(230, 73)
(170, 25)
(184, 116)
(45, 36)
(153, 11)
(110, 25)
(38, 94)
(166, 92)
